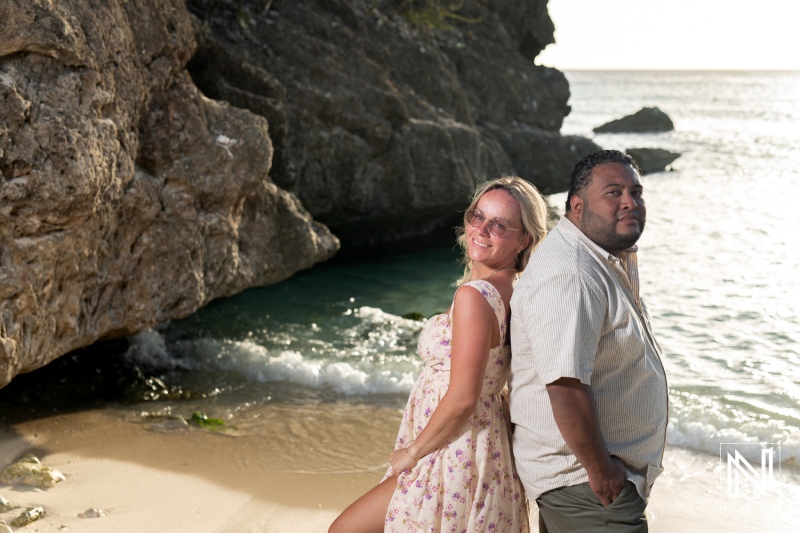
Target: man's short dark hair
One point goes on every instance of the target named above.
(582, 173)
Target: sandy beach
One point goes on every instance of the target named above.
(284, 468)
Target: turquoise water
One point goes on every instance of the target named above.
(337, 329)
(719, 263)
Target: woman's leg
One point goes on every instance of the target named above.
(368, 513)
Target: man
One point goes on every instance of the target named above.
(588, 390)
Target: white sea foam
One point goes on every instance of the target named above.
(705, 423)
(341, 377)
(149, 348)
(258, 364)
(289, 366)
(362, 365)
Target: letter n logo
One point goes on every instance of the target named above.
(743, 481)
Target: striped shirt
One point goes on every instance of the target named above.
(576, 314)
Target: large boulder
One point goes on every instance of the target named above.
(383, 120)
(127, 198)
(646, 120)
(652, 159)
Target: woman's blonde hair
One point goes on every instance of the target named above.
(533, 211)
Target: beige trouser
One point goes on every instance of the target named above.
(578, 509)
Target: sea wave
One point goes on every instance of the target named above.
(707, 423)
(366, 353)
(699, 422)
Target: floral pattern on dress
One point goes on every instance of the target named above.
(470, 483)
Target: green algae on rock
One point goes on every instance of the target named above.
(202, 420)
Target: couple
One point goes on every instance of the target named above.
(588, 394)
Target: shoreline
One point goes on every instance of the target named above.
(159, 475)
(285, 467)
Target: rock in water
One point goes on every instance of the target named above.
(652, 159)
(30, 471)
(646, 120)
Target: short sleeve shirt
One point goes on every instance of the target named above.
(574, 315)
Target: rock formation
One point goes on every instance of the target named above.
(646, 120)
(382, 124)
(127, 198)
(652, 159)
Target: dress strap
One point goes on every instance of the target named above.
(492, 296)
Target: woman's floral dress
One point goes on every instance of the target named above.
(470, 483)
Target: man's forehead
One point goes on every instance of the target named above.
(609, 174)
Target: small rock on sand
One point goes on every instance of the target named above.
(30, 471)
(30, 515)
(5, 505)
(92, 513)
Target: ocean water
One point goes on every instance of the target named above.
(719, 264)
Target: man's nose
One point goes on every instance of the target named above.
(627, 200)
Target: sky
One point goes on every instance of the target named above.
(674, 34)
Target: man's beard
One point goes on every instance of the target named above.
(604, 234)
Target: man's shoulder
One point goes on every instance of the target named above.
(557, 247)
(562, 254)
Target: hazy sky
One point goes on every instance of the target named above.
(674, 34)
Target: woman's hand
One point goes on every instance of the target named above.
(401, 461)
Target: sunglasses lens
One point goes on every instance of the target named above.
(494, 227)
(475, 220)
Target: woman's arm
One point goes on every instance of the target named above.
(475, 332)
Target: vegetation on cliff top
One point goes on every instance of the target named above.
(434, 14)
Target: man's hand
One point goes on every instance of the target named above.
(608, 482)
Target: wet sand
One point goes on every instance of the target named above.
(284, 468)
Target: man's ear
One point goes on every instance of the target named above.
(576, 205)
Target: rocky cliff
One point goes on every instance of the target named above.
(155, 155)
(127, 198)
(384, 114)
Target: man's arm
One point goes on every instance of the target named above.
(576, 417)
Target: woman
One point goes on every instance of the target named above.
(452, 469)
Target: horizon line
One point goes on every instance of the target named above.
(675, 69)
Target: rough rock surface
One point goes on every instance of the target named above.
(382, 125)
(127, 198)
(30, 471)
(652, 159)
(646, 120)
